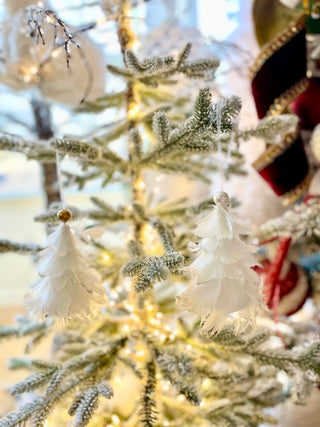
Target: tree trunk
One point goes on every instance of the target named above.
(50, 184)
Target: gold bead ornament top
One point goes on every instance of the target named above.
(64, 215)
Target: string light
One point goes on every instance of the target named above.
(136, 44)
(139, 184)
(135, 317)
(117, 379)
(50, 19)
(115, 419)
(128, 307)
(166, 386)
(55, 53)
(114, 294)
(133, 111)
(155, 322)
(206, 383)
(140, 354)
(149, 306)
(106, 256)
(29, 73)
(163, 337)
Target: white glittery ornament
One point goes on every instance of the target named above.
(315, 143)
(29, 64)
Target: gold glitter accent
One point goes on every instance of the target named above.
(298, 191)
(274, 151)
(276, 43)
(280, 104)
(64, 215)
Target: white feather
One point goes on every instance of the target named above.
(224, 282)
(66, 286)
(216, 224)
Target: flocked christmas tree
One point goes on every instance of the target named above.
(140, 361)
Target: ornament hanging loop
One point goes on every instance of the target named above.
(222, 198)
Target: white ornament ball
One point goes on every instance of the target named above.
(315, 143)
(22, 71)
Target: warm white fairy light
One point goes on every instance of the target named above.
(132, 113)
(129, 307)
(140, 354)
(50, 19)
(163, 337)
(55, 53)
(166, 386)
(206, 383)
(29, 73)
(106, 256)
(114, 294)
(134, 317)
(136, 44)
(139, 184)
(149, 306)
(155, 322)
(115, 419)
(117, 379)
(126, 283)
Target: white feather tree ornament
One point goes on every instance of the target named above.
(224, 281)
(66, 287)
